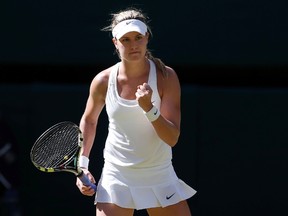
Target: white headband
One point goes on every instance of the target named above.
(128, 26)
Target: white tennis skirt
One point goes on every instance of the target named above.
(141, 188)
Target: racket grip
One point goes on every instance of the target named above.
(84, 178)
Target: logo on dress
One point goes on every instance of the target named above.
(168, 197)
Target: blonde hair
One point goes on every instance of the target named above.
(134, 13)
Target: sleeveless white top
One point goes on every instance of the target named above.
(132, 140)
(138, 171)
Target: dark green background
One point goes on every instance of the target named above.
(231, 59)
(185, 32)
(232, 150)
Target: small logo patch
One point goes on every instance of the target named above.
(168, 197)
(156, 112)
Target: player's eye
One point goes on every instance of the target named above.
(139, 37)
(124, 40)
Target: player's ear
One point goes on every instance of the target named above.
(114, 40)
(148, 36)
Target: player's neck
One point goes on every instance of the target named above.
(134, 69)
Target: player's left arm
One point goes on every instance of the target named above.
(167, 125)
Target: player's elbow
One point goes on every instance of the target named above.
(173, 139)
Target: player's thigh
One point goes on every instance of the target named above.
(178, 209)
(110, 209)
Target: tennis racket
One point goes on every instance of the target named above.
(58, 150)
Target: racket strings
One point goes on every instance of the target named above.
(55, 147)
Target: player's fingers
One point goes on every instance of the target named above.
(85, 190)
(142, 88)
(89, 175)
(146, 86)
(139, 93)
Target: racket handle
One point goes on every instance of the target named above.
(84, 178)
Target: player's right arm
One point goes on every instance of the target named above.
(94, 106)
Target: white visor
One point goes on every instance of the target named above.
(129, 25)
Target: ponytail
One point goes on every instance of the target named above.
(158, 62)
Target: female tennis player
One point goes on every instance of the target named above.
(142, 99)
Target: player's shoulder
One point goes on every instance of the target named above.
(169, 69)
(100, 80)
(168, 82)
(103, 76)
(171, 73)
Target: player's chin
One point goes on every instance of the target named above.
(135, 56)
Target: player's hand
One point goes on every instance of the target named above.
(86, 190)
(143, 96)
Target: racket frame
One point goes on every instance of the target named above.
(64, 167)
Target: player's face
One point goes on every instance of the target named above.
(132, 46)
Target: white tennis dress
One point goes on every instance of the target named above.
(138, 171)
